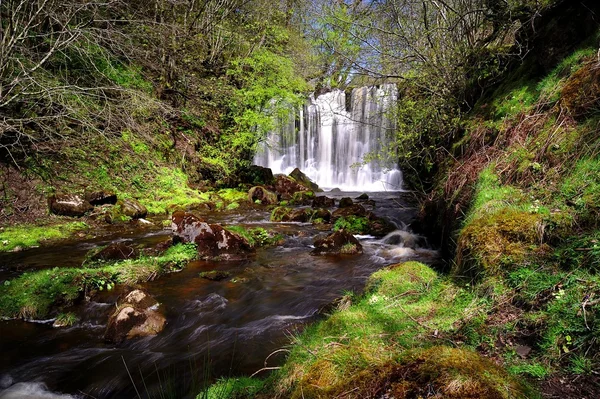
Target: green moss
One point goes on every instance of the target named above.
(232, 388)
(352, 224)
(25, 236)
(404, 305)
(278, 214)
(256, 237)
(37, 294)
(495, 243)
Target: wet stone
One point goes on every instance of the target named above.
(68, 205)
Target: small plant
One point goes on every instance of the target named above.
(65, 320)
(352, 224)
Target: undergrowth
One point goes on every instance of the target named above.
(35, 295)
(26, 236)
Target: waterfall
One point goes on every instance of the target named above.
(328, 142)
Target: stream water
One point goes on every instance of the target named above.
(214, 329)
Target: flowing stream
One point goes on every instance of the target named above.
(328, 139)
(213, 329)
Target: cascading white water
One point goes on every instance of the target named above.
(325, 140)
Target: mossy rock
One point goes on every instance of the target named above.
(302, 198)
(214, 275)
(280, 214)
(261, 195)
(496, 243)
(301, 178)
(437, 372)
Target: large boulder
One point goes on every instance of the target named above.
(346, 202)
(256, 175)
(262, 195)
(323, 202)
(285, 187)
(97, 198)
(69, 205)
(337, 243)
(136, 316)
(301, 178)
(133, 209)
(213, 240)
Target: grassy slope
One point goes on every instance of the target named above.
(523, 289)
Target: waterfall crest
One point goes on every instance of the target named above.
(324, 139)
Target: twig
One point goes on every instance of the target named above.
(265, 369)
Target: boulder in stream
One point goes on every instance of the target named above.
(323, 202)
(351, 210)
(301, 178)
(346, 202)
(69, 205)
(285, 187)
(213, 241)
(337, 243)
(262, 195)
(136, 316)
(112, 252)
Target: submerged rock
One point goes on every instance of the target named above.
(262, 195)
(214, 275)
(336, 243)
(363, 197)
(213, 240)
(136, 316)
(69, 205)
(301, 178)
(133, 209)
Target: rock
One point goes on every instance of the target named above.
(346, 202)
(97, 198)
(214, 275)
(285, 214)
(323, 202)
(301, 178)
(302, 198)
(379, 227)
(285, 187)
(335, 190)
(136, 316)
(114, 251)
(68, 205)
(265, 196)
(336, 243)
(280, 214)
(354, 210)
(213, 240)
(321, 215)
(363, 197)
(256, 175)
(133, 209)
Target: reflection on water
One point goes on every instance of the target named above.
(213, 328)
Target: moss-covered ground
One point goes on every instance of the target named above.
(39, 294)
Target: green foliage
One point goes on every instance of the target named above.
(536, 370)
(352, 224)
(582, 186)
(26, 236)
(37, 294)
(233, 388)
(256, 237)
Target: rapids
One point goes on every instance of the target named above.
(213, 329)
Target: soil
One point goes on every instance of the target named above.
(571, 387)
(20, 201)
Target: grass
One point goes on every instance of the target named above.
(398, 331)
(353, 224)
(27, 236)
(38, 294)
(256, 237)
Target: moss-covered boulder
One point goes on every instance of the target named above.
(495, 243)
(256, 175)
(302, 198)
(213, 241)
(337, 243)
(262, 195)
(285, 187)
(346, 202)
(301, 178)
(352, 210)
